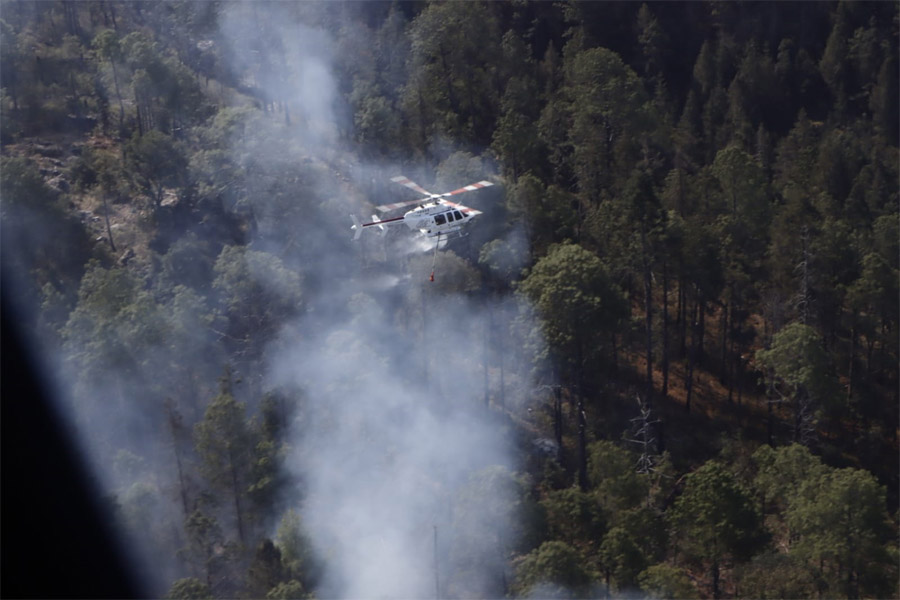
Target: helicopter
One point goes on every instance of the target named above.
(434, 217)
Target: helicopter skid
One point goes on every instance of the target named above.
(445, 235)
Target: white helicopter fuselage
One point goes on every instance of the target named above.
(434, 216)
(435, 219)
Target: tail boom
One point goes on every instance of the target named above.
(376, 222)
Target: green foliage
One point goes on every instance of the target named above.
(139, 505)
(491, 513)
(834, 64)
(647, 527)
(832, 521)
(621, 558)
(451, 90)
(377, 122)
(612, 472)
(516, 139)
(884, 96)
(630, 227)
(776, 575)
(256, 292)
(288, 590)
(841, 524)
(743, 184)
(188, 262)
(455, 274)
(801, 373)
(554, 569)
(667, 583)
(781, 473)
(503, 258)
(267, 478)
(223, 436)
(753, 173)
(113, 332)
(225, 444)
(577, 302)
(266, 570)
(573, 516)
(107, 45)
(204, 536)
(189, 589)
(546, 213)
(296, 549)
(492, 518)
(42, 243)
(156, 163)
(715, 521)
(609, 119)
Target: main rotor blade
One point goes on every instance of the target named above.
(461, 207)
(411, 185)
(396, 205)
(405, 181)
(469, 188)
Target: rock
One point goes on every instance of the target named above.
(127, 256)
(59, 182)
(545, 446)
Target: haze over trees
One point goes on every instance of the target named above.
(663, 363)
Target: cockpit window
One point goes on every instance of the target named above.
(456, 213)
(439, 219)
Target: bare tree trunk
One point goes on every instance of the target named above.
(665, 331)
(582, 444)
(140, 120)
(237, 499)
(112, 65)
(71, 15)
(682, 317)
(850, 370)
(582, 423)
(437, 578)
(558, 424)
(451, 95)
(487, 338)
(112, 244)
(701, 327)
(615, 355)
(730, 375)
(715, 578)
(723, 324)
(648, 325)
(870, 348)
(692, 356)
(174, 421)
(425, 357)
(502, 351)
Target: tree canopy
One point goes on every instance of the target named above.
(667, 346)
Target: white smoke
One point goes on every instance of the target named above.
(393, 425)
(380, 452)
(290, 62)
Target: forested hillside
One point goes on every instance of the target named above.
(663, 363)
